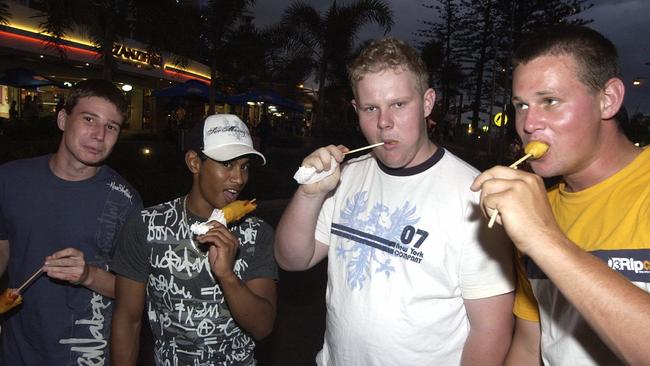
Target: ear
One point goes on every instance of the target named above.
(193, 161)
(611, 98)
(354, 105)
(429, 101)
(61, 119)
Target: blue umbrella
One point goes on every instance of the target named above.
(21, 77)
(188, 89)
(266, 96)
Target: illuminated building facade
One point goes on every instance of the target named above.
(138, 72)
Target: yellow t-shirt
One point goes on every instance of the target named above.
(610, 220)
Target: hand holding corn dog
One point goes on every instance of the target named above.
(500, 185)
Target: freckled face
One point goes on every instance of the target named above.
(391, 109)
(553, 106)
(90, 130)
(221, 182)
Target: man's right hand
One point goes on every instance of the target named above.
(321, 160)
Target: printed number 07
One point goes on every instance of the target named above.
(409, 233)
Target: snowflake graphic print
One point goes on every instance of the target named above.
(374, 236)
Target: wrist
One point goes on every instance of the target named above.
(85, 278)
(228, 278)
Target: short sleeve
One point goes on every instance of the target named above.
(486, 262)
(324, 223)
(131, 258)
(263, 264)
(525, 304)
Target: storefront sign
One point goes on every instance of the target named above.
(138, 56)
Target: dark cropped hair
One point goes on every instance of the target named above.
(596, 56)
(389, 53)
(96, 88)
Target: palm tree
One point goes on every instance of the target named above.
(105, 21)
(4, 13)
(329, 38)
(220, 20)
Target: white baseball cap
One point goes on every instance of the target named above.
(226, 137)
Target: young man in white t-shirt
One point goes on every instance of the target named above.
(414, 276)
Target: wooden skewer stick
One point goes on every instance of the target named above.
(364, 148)
(521, 160)
(514, 165)
(29, 280)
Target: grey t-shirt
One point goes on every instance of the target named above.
(187, 311)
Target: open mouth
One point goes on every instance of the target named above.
(231, 194)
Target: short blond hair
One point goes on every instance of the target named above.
(389, 53)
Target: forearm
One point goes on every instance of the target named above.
(490, 333)
(609, 302)
(125, 341)
(100, 281)
(295, 243)
(127, 321)
(4, 256)
(525, 346)
(253, 313)
(485, 348)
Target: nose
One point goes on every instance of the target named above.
(384, 120)
(99, 131)
(237, 175)
(531, 120)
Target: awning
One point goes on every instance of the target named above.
(21, 77)
(266, 96)
(190, 88)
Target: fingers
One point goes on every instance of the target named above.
(67, 252)
(321, 159)
(75, 275)
(68, 265)
(222, 251)
(497, 172)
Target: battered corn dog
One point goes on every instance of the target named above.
(232, 212)
(536, 149)
(533, 149)
(9, 299)
(235, 210)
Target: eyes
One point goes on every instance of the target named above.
(372, 108)
(545, 102)
(92, 120)
(231, 165)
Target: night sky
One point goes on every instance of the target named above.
(624, 22)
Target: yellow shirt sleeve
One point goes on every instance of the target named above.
(525, 306)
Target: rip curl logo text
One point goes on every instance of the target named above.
(629, 264)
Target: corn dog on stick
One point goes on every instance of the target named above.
(9, 299)
(237, 209)
(533, 149)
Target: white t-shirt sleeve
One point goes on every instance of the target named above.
(325, 218)
(486, 262)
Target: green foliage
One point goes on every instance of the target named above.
(475, 40)
(328, 39)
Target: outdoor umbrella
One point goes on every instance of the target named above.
(266, 96)
(21, 77)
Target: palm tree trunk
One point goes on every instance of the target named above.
(318, 126)
(108, 61)
(213, 85)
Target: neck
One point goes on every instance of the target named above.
(71, 169)
(197, 205)
(611, 155)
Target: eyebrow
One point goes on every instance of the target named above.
(92, 114)
(539, 94)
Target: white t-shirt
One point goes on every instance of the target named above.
(404, 253)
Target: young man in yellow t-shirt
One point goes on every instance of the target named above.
(586, 246)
